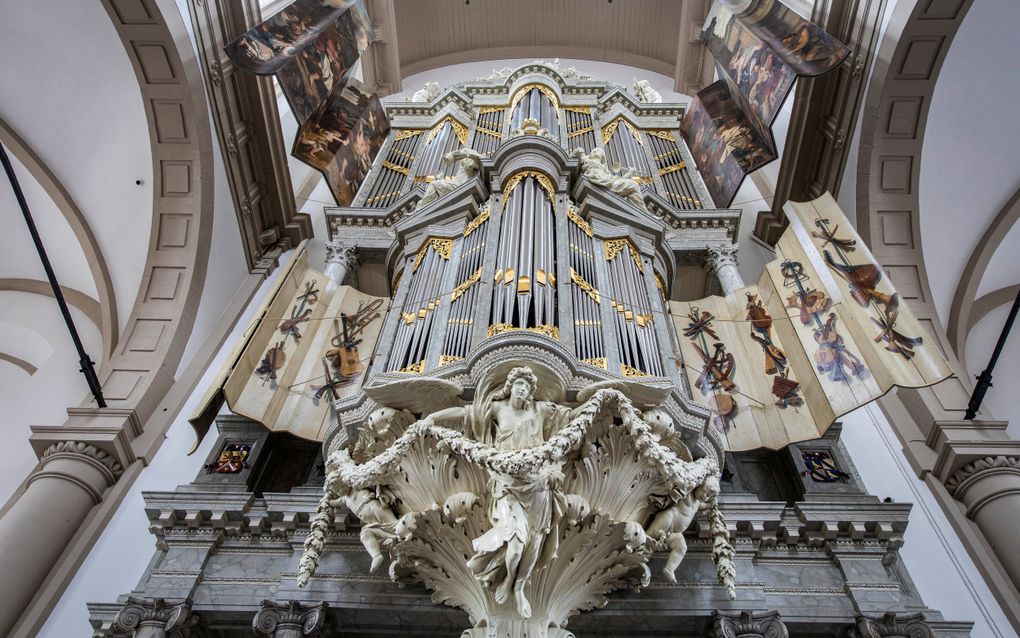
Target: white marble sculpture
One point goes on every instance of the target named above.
(621, 182)
(469, 163)
(644, 92)
(531, 126)
(426, 93)
(518, 510)
(573, 73)
(499, 74)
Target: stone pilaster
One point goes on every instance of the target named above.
(155, 618)
(722, 259)
(748, 624)
(892, 625)
(289, 619)
(70, 479)
(341, 259)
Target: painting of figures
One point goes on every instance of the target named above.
(752, 67)
(353, 159)
(267, 47)
(712, 155)
(321, 135)
(803, 46)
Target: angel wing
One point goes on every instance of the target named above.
(421, 395)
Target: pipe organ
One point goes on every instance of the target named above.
(521, 253)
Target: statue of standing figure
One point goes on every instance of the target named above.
(595, 168)
(469, 163)
(644, 92)
(521, 509)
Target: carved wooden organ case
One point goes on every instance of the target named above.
(531, 251)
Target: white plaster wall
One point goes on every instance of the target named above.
(115, 564)
(89, 127)
(42, 398)
(1000, 401)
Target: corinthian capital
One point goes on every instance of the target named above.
(339, 252)
(749, 624)
(720, 255)
(289, 619)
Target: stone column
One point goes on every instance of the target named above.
(722, 258)
(289, 620)
(748, 624)
(69, 480)
(892, 625)
(341, 258)
(989, 488)
(154, 618)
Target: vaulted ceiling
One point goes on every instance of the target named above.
(658, 35)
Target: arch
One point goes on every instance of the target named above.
(962, 313)
(91, 307)
(105, 315)
(19, 362)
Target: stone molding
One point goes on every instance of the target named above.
(84, 449)
(892, 625)
(721, 255)
(175, 619)
(749, 624)
(957, 482)
(273, 617)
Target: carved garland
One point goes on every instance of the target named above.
(473, 225)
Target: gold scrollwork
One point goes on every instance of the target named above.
(490, 109)
(614, 247)
(662, 135)
(609, 129)
(406, 133)
(660, 284)
(442, 246)
(541, 178)
(578, 220)
(546, 329)
(585, 287)
(578, 109)
(546, 91)
(489, 131)
(464, 285)
(629, 371)
(666, 170)
(414, 368)
(598, 362)
(446, 359)
(372, 200)
(460, 130)
(480, 219)
(497, 328)
(580, 131)
(394, 167)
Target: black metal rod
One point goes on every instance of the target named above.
(87, 365)
(984, 380)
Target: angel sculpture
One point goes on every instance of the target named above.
(428, 92)
(469, 163)
(644, 92)
(502, 506)
(594, 167)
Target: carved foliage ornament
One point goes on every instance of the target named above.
(85, 449)
(173, 618)
(748, 624)
(518, 533)
(541, 178)
(981, 465)
(893, 625)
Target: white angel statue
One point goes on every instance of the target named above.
(644, 92)
(469, 163)
(594, 167)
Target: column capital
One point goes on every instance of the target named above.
(720, 255)
(892, 625)
(274, 616)
(973, 470)
(749, 624)
(154, 614)
(83, 449)
(341, 252)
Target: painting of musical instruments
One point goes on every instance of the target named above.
(821, 333)
(310, 347)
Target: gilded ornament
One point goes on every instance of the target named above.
(578, 109)
(516, 178)
(473, 225)
(598, 362)
(490, 109)
(585, 287)
(460, 130)
(446, 359)
(414, 368)
(406, 133)
(629, 371)
(546, 91)
(666, 170)
(442, 246)
(580, 131)
(663, 135)
(488, 131)
(467, 283)
(578, 220)
(394, 167)
(614, 247)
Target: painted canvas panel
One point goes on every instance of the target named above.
(267, 47)
(752, 67)
(320, 136)
(312, 347)
(804, 46)
(726, 145)
(821, 333)
(353, 159)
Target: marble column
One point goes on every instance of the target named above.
(341, 258)
(722, 259)
(154, 618)
(892, 625)
(70, 479)
(289, 619)
(748, 624)
(989, 488)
